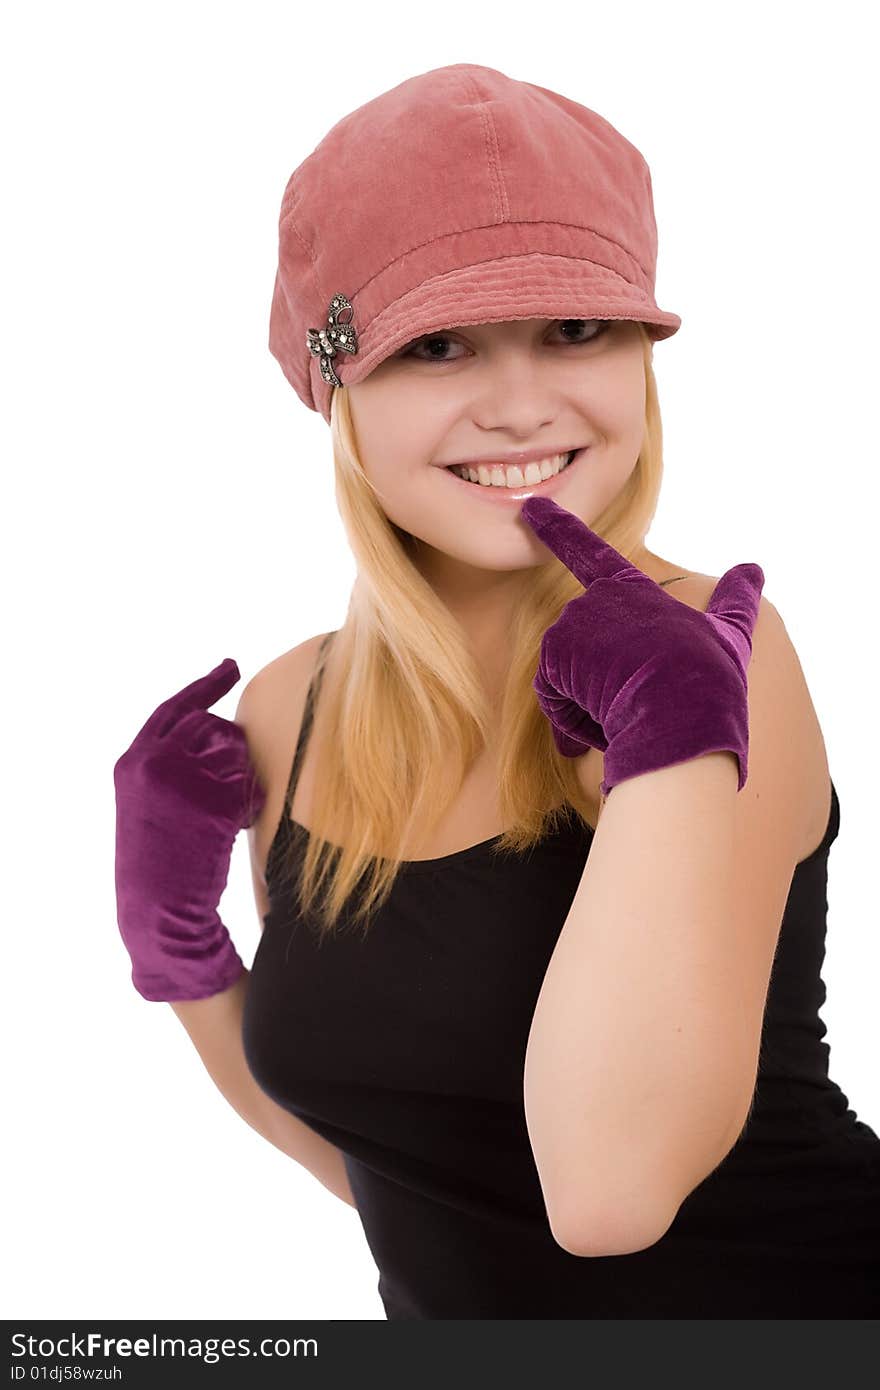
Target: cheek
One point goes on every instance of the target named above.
(619, 422)
(407, 494)
(619, 400)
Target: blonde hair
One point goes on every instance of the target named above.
(396, 737)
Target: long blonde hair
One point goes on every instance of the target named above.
(396, 737)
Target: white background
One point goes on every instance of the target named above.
(169, 502)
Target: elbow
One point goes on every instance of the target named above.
(616, 1229)
(630, 1211)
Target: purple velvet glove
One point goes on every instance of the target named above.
(184, 789)
(628, 669)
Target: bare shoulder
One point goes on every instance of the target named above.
(692, 588)
(782, 717)
(275, 696)
(270, 711)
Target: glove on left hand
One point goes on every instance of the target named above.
(630, 670)
(184, 789)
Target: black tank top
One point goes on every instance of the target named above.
(405, 1048)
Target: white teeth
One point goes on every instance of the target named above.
(497, 475)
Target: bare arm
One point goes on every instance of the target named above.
(638, 1051)
(644, 1048)
(214, 1025)
(271, 702)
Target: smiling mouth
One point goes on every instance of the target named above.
(518, 491)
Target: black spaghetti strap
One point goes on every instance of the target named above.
(306, 725)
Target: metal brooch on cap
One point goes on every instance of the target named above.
(324, 342)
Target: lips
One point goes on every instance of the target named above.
(518, 494)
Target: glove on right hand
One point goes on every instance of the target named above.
(629, 670)
(184, 789)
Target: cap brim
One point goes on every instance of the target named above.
(513, 287)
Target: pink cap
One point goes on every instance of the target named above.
(461, 196)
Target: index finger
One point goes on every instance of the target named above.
(199, 694)
(586, 554)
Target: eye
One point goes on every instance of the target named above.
(596, 328)
(434, 343)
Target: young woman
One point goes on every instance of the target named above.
(542, 872)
